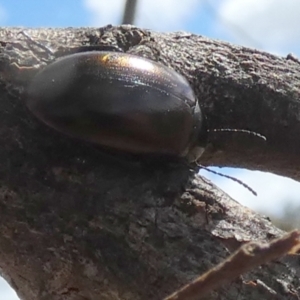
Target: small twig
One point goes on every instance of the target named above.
(247, 257)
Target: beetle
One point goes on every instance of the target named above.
(123, 102)
(120, 101)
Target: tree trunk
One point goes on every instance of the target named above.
(77, 223)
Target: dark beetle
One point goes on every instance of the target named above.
(120, 101)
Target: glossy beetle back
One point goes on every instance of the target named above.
(118, 100)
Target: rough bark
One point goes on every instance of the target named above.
(79, 224)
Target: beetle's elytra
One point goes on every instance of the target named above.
(120, 101)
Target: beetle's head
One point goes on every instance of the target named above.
(199, 136)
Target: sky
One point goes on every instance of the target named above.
(268, 25)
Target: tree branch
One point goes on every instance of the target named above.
(79, 224)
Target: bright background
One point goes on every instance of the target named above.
(269, 25)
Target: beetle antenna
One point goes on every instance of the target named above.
(239, 130)
(229, 177)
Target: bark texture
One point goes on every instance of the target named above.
(79, 224)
